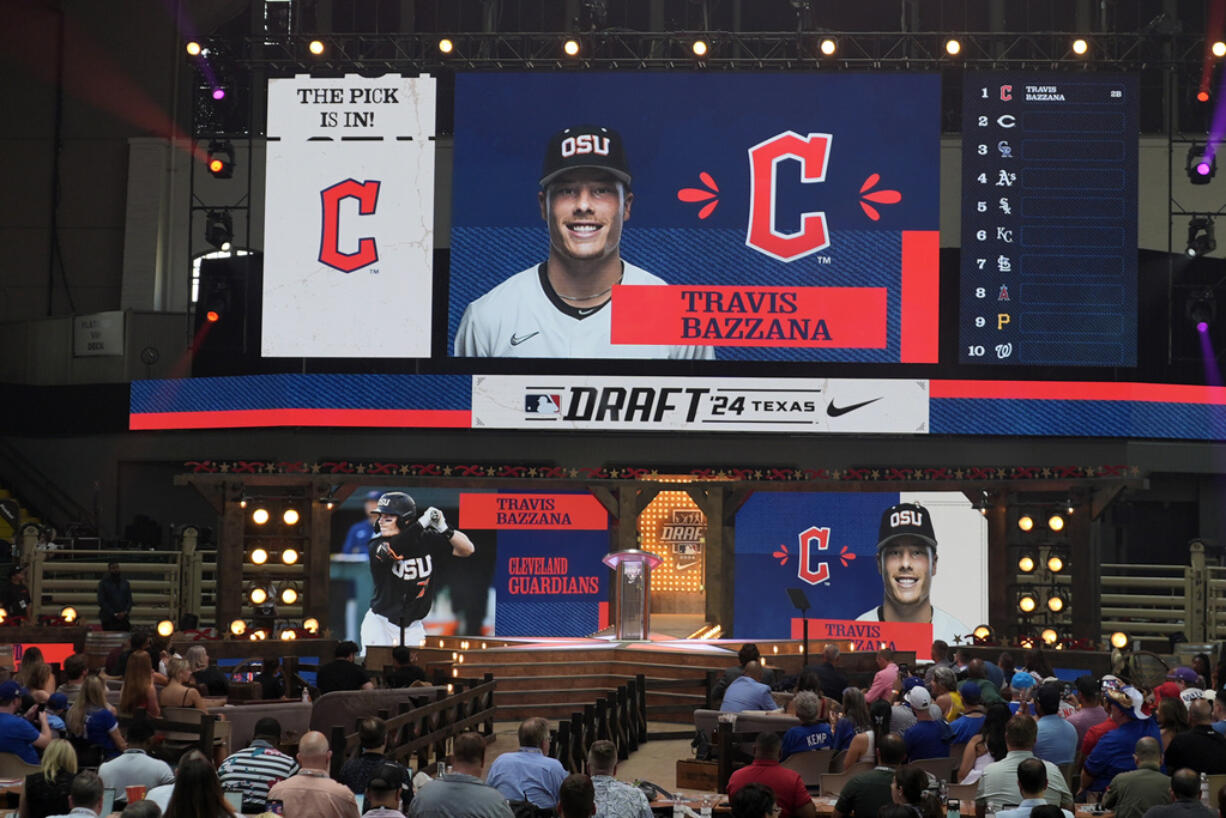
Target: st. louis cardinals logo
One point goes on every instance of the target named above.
(809, 567)
(367, 194)
(813, 153)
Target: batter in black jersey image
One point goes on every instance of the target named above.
(405, 555)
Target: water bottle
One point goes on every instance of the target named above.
(1204, 789)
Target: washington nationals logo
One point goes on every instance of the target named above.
(367, 194)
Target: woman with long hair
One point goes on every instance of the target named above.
(863, 746)
(987, 746)
(46, 791)
(179, 691)
(93, 719)
(35, 675)
(851, 724)
(197, 790)
(1172, 718)
(138, 690)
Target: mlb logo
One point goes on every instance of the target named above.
(542, 404)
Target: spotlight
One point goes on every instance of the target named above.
(1025, 522)
(1026, 563)
(571, 48)
(68, 614)
(221, 153)
(1080, 47)
(290, 516)
(288, 635)
(1055, 603)
(260, 516)
(1201, 309)
(219, 231)
(446, 46)
(219, 94)
(1049, 636)
(316, 47)
(193, 48)
(212, 316)
(829, 46)
(289, 556)
(166, 628)
(258, 596)
(982, 634)
(952, 47)
(1201, 240)
(1055, 522)
(1201, 164)
(1069, 508)
(700, 48)
(1055, 563)
(1119, 640)
(259, 556)
(289, 595)
(243, 502)
(3, 615)
(238, 627)
(1026, 642)
(310, 625)
(1202, 95)
(259, 635)
(1219, 49)
(1026, 603)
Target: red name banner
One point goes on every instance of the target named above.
(837, 317)
(575, 512)
(916, 636)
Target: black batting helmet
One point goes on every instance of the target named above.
(400, 504)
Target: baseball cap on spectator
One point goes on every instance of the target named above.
(57, 702)
(1183, 674)
(919, 698)
(1022, 680)
(374, 495)
(388, 777)
(1191, 694)
(1213, 695)
(1128, 699)
(11, 690)
(1048, 697)
(910, 682)
(971, 693)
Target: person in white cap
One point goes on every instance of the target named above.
(1112, 754)
(928, 737)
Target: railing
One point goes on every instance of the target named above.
(620, 716)
(1157, 601)
(420, 731)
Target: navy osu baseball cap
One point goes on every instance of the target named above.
(906, 520)
(585, 146)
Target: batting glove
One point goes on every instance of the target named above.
(426, 520)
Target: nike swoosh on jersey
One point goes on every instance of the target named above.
(516, 340)
(834, 411)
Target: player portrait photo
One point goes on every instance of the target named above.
(561, 307)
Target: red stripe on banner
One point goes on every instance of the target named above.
(1079, 390)
(921, 297)
(505, 511)
(831, 317)
(233, 419)
(602, 615)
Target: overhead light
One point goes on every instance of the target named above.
(829, 46)
(1201, 163)
(1025, 522)
(1026, 603)
(700, 48)
(166, 628)
(1218, 48)
(289, 556)
(1055, 563)
(219, 94)
(1049, 636)
(259, 556)
(1201, 240)
(68, 614)
(953, 47)
(1026, 563)
(571, 48)
(193, 48)
(446, 46)
(316, 47)
(1056, 603)
(238, 627)
(289, 595)
(290, 516)
(258, 595)
(310, 625)
(219, 231)
(1055, 522)
(1119, 640)
(1080, 47)
(221, 153)
(1201, 309)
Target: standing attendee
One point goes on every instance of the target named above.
(403, 559)
(747, 692)
(1200, 748)
(834, 682)
(461, 793)
(1130, 794)
(215, 682)
(940, 658)
(134, 766)
(406, 671)
(17, 734)
(115, 600)
(310, 791)
(386, 791)
(343, 673)
(197, 792)
(1057, 739)
(1112, 754)
(1032, 784)
(1185, 798)
(255, 768)
(356, 772)
(866, 793)
(613, 798)
(998, 785)
(46, 791)
(928, 737)
(576, 797)
(1089, 709)
(790, 794)
(813, 732)
(884, 679)
(14, 595)
(529, 774)
(138, 691)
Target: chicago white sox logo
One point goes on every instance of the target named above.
(813, 152)
(367, 194)
(809, 571)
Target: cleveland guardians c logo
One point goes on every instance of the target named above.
(813, 152)
(810, 569)
(367, 194)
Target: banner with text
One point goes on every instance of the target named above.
(349, 217)
(506, 511)
(714, 404)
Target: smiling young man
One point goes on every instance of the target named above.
(907, 562)
(562, 307)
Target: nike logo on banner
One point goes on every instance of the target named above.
(834, 411)
(517, 340)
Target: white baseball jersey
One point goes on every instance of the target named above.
(524, 318)
(944, 626)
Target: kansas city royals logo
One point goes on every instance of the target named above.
(813, 153)
(367, 194)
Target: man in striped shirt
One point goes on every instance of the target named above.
(253, 770)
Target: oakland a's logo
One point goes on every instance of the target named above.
(367, 194)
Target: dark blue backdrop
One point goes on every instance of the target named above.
(550, 614)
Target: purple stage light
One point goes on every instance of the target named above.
(1202, 326)
(1202, 167)
(220, 94)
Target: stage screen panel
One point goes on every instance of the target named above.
(767, 218)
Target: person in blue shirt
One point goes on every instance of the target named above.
(17, 734)
(811, 733)
(1113, 753)
(57, 705)
(1057, 739)
(1022, 684)
(358, 538)
(747, 692)
(529, 775)
(970, 723)
(928, 737)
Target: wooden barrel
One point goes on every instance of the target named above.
(99, 644)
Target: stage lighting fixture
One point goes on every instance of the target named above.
(829, 46)
(260, 516)
(700, 48)
(219, 94)
(166, 628)
(1049, 636)
(258, 596)
(1202, 95)
(571, 48)
(193, 48)
(1201, 309)
(1026, 563)
(1025, 522)
(68, 614)
(290, 516)
(288, 635)
(238, 627)
(1056, 603)
(219, 230)
(1119, 640)
(259, 556)
(1026, 603)
(289, 556)
(1201, 164)
(1069, 508)
(1201, 240)
(1055, 522)
(982, 633)
(1080, 47)
(310, 625)
(953, 47)
(289, 595)
(221, 154)
(316, 47)
(1219, 49)
(1055, 563)
(259, 635)
(212, 316)
(243, 502)
(446, 46)
(1026, 642)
